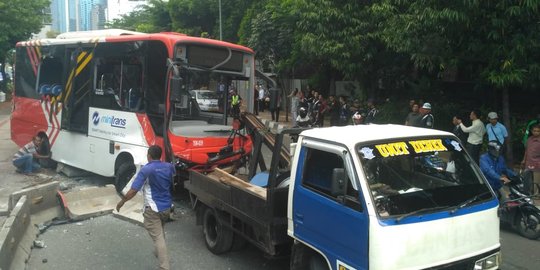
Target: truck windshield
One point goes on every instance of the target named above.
(407, 176)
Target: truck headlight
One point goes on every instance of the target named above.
(488, 263)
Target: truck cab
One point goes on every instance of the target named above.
(389, 197)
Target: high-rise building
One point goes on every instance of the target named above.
(82, 15)
(58, 15)
(89, 11)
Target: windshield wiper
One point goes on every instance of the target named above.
(468, 202)
(421, 211)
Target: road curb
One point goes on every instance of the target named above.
(43, 203)
(16, 236)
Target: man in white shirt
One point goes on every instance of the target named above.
(476, 135)
(261, 98)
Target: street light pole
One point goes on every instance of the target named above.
(220, 30)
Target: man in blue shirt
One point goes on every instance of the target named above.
(495, 130)
(494, 168)
(155, 180)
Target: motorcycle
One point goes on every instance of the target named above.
(519, 210)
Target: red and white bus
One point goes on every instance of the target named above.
(103, 97)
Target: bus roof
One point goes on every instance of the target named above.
(119, 35)
(97, 33)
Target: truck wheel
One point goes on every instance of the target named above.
(218, 237)
(123, 175)
(528, 224)
(303, 258)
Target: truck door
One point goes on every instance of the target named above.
(333, 224)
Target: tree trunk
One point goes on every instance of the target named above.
(507, 124)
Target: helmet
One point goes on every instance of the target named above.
(302, 112)
(494, 148)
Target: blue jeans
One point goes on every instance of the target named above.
(26, 163)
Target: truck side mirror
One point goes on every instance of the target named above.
(339, 182)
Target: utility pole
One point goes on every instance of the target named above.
(220, 29)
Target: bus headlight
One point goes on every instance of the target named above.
(488, 263)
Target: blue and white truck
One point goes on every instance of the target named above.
(355, 197)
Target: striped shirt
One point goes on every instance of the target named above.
(29, 148)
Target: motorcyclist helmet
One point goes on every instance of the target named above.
(494, 148)
(302, 112)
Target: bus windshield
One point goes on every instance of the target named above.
(410, 175)
(210, 75)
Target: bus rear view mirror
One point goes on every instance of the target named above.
(176, 93)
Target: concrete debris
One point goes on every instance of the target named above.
(39, 244)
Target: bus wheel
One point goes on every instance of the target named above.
(218, 237)
(123, 175)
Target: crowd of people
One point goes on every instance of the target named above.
(312, 108)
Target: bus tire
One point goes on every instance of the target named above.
(217, 237)
(124, 173)
(303, 258)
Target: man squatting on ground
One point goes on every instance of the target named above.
(155, 179)
(26, 158)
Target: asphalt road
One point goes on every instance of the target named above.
(109, 243)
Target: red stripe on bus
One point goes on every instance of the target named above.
(31, 56)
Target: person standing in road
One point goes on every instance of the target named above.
(262, 98)
(333, 110)
(496, 131)
(531, 159)
(414, 118)
(476, 135)
(372, 113)
(427, 121)
(295, 103)
(25, 160)
(457, 129)
(236, 100)
(155, 180)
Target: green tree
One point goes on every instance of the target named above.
(19, 19)
(150, 18)
(494, 43)
(194, 17)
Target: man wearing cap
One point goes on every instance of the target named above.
(428, 120)
(496, 131)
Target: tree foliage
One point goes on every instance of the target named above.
(19, 19)
(496, 41)
(150, 18)
(195, 17)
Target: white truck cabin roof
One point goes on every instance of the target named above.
(351, 135)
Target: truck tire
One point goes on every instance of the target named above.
(217, 237)
(303, 258)
(123, 175)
